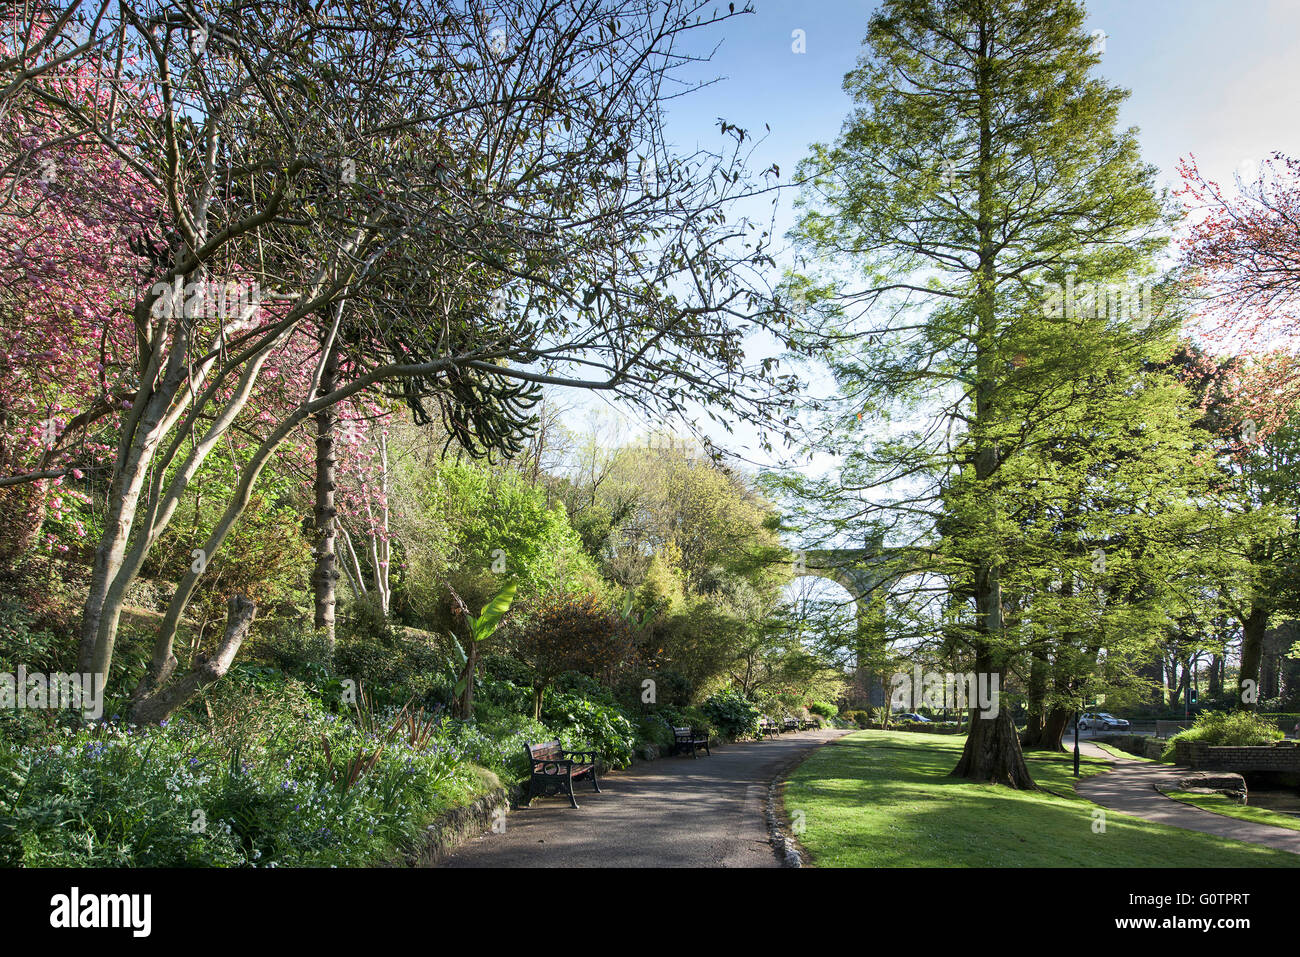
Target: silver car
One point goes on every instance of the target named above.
(1101, 721)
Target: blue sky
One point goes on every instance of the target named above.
(1214, 78)
(1217, 78)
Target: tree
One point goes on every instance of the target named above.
(1243, 250)
(65, 205)
(297, 152)
(1002, 227)
(481, 627)
(572, 633)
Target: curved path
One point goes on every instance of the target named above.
(1131, 788)
(674, 812)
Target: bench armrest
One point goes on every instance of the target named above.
(581, 757)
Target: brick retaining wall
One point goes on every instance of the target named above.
(1205, 757)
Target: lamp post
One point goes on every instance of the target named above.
(1076, 743)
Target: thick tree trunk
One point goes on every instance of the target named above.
(1252, 651)
(993, 753)
(1053, 730)
(326, 575)
(170, 695)
(1216, 676)
(992, 750)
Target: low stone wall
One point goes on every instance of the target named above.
(1284, 757)
(1141, 745)
(454, 828)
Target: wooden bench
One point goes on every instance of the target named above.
(808, 724)
(554, 770)
(767, 727)
(685, 739)
(790, 724)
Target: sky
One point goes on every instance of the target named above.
(1216, 79)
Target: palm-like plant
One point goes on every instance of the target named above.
(481, 627)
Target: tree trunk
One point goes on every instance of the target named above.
(170, 695)
(993, 753)
(471, 665)
(538, 692)
(1036, 722)
(326, 575)
(1054, 728)
(1252, 651)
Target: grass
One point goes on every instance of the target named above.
(1119, 753)
(884, 799)
(1222, 804)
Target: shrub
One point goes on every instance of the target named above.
(573, 633)
(497, 744)
(505, 668)
(302, 654)
(589, 724)
(404, 664)
(654, 729)
(731, 713)
(1227, 729)
(254, 785)
(823, 708)
(23, 642)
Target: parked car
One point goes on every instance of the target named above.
(1101, 721)
(910, 716)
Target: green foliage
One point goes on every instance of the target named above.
(731, 713)
(1227, 729)
(824, 708)
(470, 524)
(250, 787)
(573, 633)
(24, 642)
(583, 723)
(481, 628)
(267, 556)
(404, 664)
(654, 729)
(497, 742)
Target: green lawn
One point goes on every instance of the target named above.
(1111, 749)
(884, 799)
(1221, 804)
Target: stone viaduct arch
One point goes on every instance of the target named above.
(866, 574)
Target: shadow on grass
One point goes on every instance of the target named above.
(882, 799)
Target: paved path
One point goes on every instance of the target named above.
(1131, 788)
(674, 812)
